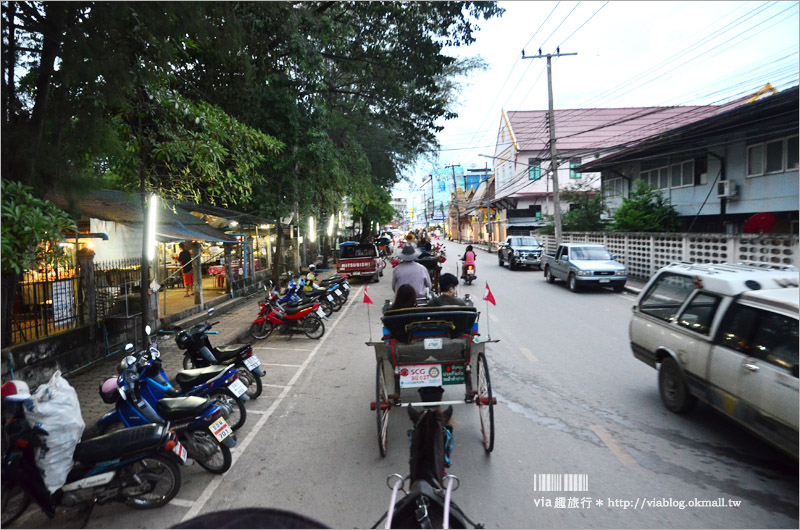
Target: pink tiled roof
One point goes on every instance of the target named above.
(603, 128)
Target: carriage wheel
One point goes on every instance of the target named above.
(485, 403)
(382, 406)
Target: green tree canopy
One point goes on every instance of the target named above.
(646, 210)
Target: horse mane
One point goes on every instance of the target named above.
(427, 460)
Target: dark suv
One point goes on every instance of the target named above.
(520, 251)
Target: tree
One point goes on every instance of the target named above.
(31, 230)
(646, 210)
(586, 210)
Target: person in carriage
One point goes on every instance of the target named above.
(448, 284)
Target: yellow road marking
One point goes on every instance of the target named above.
(612, 444)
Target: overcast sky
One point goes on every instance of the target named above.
(630, 54)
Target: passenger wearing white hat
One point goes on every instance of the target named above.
(411, 272)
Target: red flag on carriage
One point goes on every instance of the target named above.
(367, 299)
(488, 295)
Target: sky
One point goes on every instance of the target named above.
(630, 54)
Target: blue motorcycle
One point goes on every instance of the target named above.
(198, 422)
(220, 382)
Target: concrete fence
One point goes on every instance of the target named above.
(644, 253)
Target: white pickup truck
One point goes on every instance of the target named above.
(726, 334)
(584, 264)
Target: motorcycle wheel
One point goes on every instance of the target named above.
(216, 458)
(238, 412)
(313, 326)
(261, 330)
(336, 304)
(327, 307)
(15, 501)
(252, 382)
(158, 476)
(187, 363)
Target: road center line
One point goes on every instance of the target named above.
(605, 436)
(241, 447)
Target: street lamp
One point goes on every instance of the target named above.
(151, 226)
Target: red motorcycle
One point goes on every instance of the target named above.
(306, 318)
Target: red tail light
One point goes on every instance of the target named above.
(170, 445)
(21, 444)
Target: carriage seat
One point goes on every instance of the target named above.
(449, 321)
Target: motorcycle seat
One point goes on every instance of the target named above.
(182, 407)
(295, 310)
(197, 376)
(119, 443)
(231, 350)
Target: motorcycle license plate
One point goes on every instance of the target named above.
(180, 450)
(220, 429)
(329, 297)
(346, 285)
(238, 388)
(320, 312)
(252, 362)
(338, 292)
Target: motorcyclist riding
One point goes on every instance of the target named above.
(469, 259)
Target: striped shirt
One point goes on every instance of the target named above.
(412, 273)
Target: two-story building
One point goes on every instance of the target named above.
(523, 193)
(720, 171)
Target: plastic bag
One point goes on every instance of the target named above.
(54, 408)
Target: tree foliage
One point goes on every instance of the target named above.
(586, 210)
(646, 210)
(31, 229)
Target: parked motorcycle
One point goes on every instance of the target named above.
(295, 296)
(199, 353)
(305, 319)
(216, 381)
(136, 465)
(198, 422)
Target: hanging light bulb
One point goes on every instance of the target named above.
(151, 226)
(312, 233)
(330, 226)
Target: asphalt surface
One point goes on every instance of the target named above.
(571, 400)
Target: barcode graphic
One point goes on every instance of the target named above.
(561, 482)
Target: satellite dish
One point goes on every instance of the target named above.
(760, 223)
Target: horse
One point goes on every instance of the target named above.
(424, 505)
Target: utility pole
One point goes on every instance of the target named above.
(455, 201)
(553, 151)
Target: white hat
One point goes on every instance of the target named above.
(409, 253)
(16, 391)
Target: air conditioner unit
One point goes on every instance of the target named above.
(727, 189)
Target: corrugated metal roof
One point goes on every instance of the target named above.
(126, 207)
(603, 128)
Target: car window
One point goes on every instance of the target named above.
(590, 253)
(737, 328)
(699, 313)
(775, 340)
(525, 242)
(666, 295)
(358, 251)
(763, 334)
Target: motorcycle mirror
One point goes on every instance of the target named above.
(212, 311)
(148, 330)
(129, 348)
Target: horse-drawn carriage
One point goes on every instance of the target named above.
(426, 349)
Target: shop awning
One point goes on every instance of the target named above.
(194, 232)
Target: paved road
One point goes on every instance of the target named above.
(572, 400)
